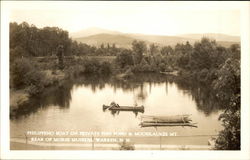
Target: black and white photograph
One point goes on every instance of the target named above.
(124, 76)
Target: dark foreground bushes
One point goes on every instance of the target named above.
(24, 74)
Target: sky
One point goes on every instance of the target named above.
(159, 18)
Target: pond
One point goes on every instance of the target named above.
(76, 105)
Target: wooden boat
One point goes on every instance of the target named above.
(124, 108)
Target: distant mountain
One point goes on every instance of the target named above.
(92, 31)
(162, 40)
(97, 36)
(216, 36)
(98, 39)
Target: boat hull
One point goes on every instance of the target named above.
(124, 108)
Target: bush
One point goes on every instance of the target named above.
(126, 146)
(16, 53)
(202, 75)
(128, 73)
(162, 67)
(88, 66)
(228, 90)
(124, 58)
(25, 74)
(18, 70)
(105, 68)
(229, 137)
(35, 81)
(74, 71)
(135, 68)
(91, 66)
(34, 90)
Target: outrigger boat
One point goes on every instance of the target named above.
(115, 107)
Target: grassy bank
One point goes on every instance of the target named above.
(31, 76)
(19, 97)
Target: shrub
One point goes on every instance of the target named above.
(91, 66)
(34, 77)
(18, 70)
(202, 75)
(128, 73)
(74, 71)
(25, 74)
(34, 90)
(124, 59)
(16, 53)
(105, 68)
(126, 146)
(228, 90)
(162, 67)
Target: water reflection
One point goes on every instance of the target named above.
(205, 100)
(117, 112)
(54, 96)
(60, 96)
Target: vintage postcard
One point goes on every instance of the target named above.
(144, 77)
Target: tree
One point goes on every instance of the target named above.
(139, 47)
(183, 61)
(144, 66)
(228, 90)
(153, 49)
(124, 58)
(38, 42)
(166, 50)
(202, 53)
(60, 54)
(235, 51)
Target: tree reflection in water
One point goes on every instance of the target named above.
(204, 97)
(116, 113)
(54, 96)
(60, 96)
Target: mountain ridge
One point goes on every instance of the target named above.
(98, 36)
(91, 31)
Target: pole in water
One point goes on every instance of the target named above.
(26, 138)
(160, 142)
(93, 142)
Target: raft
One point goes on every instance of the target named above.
(124, 108)
(174, 73)
(148, 124)
(169, 121)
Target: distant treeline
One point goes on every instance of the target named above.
(28, 40)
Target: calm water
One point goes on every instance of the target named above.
(77, 106)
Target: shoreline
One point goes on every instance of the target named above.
(17, 145)
(20, 97)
